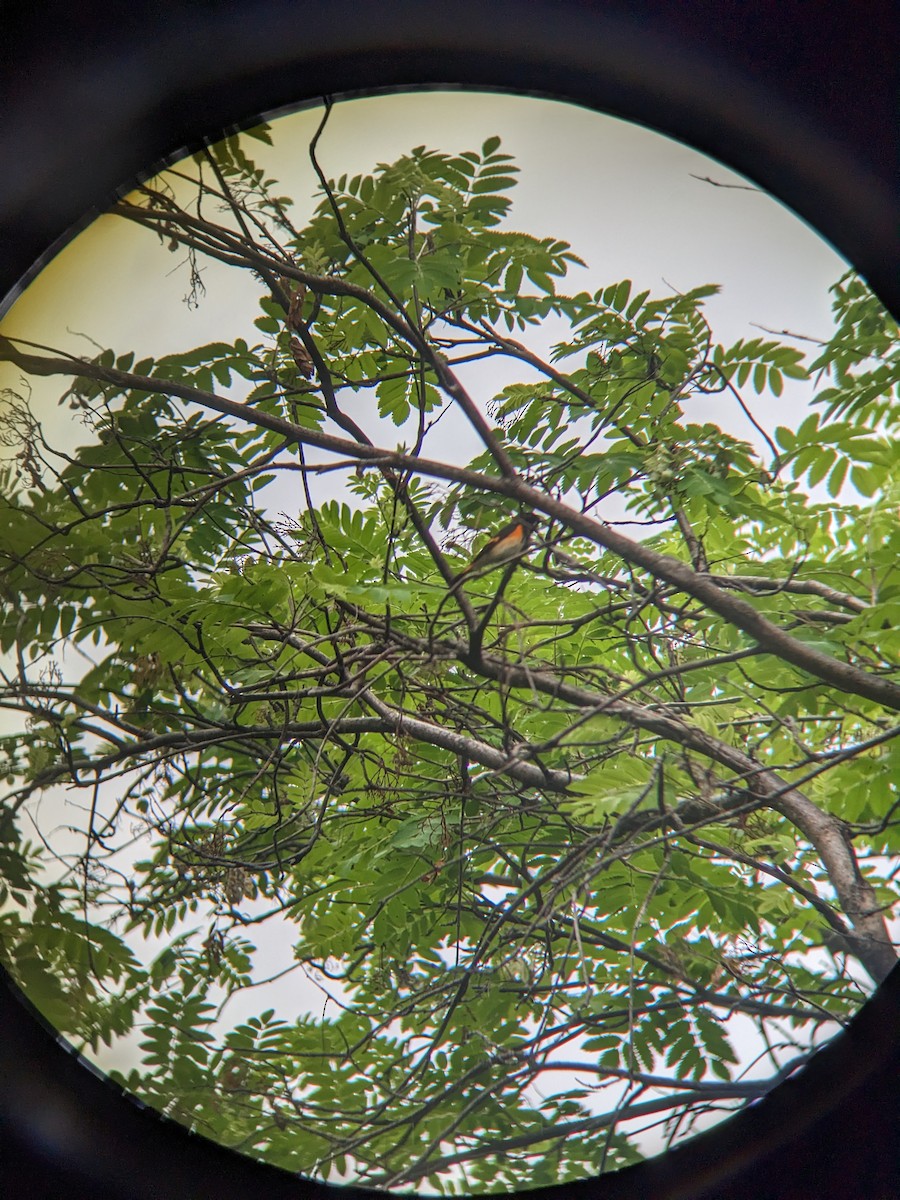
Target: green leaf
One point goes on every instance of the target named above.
(477, 830)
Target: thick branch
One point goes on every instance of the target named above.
(740, 613)
(874, 948)
(760, 584)
(256, 259)
(870, 940)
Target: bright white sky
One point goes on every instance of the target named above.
(624, 197)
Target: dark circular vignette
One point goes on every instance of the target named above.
(800, 97)
(66, 1133)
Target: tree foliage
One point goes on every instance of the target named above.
(551, 842)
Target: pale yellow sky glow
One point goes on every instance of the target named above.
(626, 198)
(632, 203)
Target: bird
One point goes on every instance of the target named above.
(508, 543)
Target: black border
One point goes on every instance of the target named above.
(799, 95)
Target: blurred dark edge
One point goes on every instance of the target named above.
(800, 96)
(67, 1133)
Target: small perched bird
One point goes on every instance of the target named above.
(507, 544)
